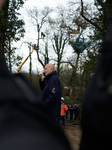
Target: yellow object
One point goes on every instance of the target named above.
(18, 69)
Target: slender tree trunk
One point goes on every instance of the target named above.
(10, 66)
(30, 65)
(38, 30)
(58, 67)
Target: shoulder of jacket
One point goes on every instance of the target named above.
(54, 77)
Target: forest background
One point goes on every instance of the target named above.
(78, 28)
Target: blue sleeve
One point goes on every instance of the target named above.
(42, 84)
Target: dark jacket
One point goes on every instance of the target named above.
(97, 104)
(51, 95)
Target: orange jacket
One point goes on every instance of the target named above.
(64, 108)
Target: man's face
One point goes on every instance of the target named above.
(48, 69)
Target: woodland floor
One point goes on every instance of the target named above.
(73, 132)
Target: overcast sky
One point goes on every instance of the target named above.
(31, 34)
(30, 29)
(43, 3)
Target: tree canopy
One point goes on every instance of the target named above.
(11, 28)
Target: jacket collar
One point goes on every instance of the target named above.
(49, 75)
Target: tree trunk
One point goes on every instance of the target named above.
(10, 66)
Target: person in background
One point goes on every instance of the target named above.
(51, 90)
(64, 109)
(71, 112)
(67, 111)
(78, 112)
(75, 112)
(96, 118)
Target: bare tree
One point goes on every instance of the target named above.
(59, 43)
(91, 21)
(39, 18)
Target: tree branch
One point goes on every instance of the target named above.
(100, 2)
(40, 60)
(92, 23)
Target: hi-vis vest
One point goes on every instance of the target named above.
(64, 108)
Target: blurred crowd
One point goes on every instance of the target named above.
(73, 112)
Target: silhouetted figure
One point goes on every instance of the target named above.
(75, 112)
(71, 112)
(97, 106)
(67, 111)
(78, 112)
